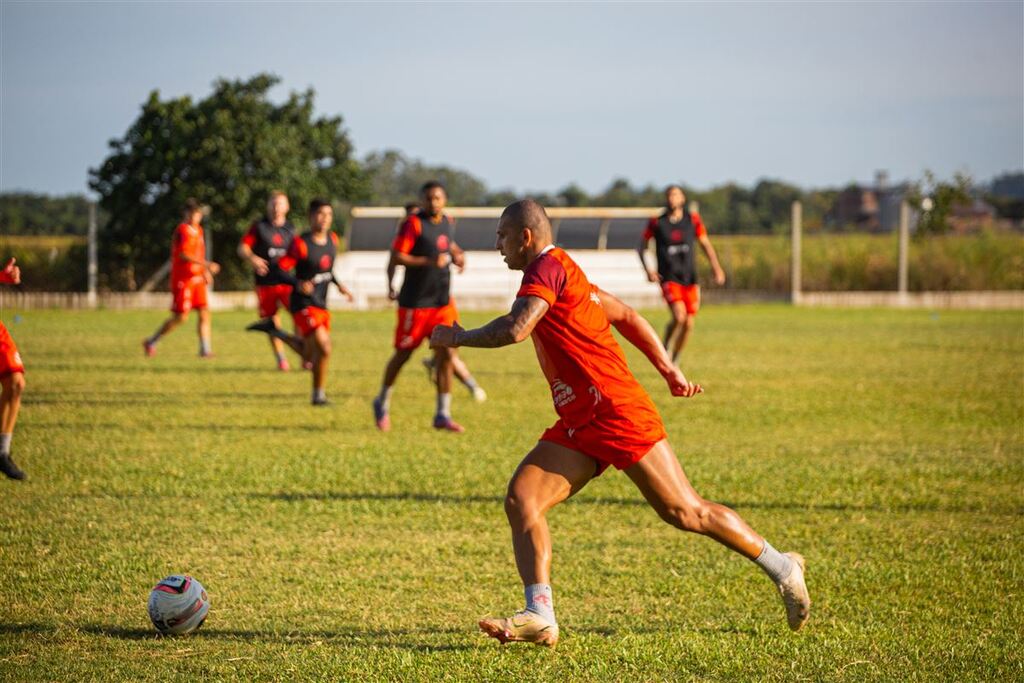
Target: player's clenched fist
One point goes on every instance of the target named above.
(11, 273)
(444, 336)
(680, 386)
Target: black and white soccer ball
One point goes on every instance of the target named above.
(178, 605)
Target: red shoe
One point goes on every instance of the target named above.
(148, 348)
(447, 424)
(283, 366)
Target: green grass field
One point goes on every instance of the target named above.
(888, 447)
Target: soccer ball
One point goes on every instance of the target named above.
(178, 605)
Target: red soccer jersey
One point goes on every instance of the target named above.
(580, 358)
(188, 241)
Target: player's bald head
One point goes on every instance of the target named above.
(528, 214)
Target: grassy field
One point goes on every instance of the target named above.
(885, 446)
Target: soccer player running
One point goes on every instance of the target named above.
(312, 255)
(262, 247)
(12, 383)
(676, 232)
(190, 274)
(605, 418)
(425, 247)
(459, 368)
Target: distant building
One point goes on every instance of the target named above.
(876, 209)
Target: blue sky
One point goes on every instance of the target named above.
(534, 96)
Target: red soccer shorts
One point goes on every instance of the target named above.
(619, 437)
(188, 294)
(416, 324)
(310, 318)
(10, 359)
(272, 296)
(688, 294)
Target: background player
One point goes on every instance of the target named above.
(425, 247)
(676, 232)
(190, 274)
(266, 242)
(459, 368)
(312, 256)
(605, 418)
(12, 383)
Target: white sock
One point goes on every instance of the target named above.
(5, 443)
(538, 600)
(444, 405)
(384, 397)
(204, 347)
(776, 565)
(470, 383)
(319, 394)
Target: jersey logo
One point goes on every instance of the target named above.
(674, 249)
(596, 393)
(442, 242)
(562, 393)
(677, 235)
(278, 240)
(595, 298)
(325, 262)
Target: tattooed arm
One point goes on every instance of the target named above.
(511, 328)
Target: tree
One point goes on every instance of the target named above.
(229, 150)
(396, 179)
(26, 213)
(937, 198)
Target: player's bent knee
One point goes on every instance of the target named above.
(686, 517)
(17, 384)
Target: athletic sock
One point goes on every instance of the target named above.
(320, 395)
(470, 383)
(776, 565)
(444, 405)
(5, 443)
(384, 397)
(280, 356)
(153, 340)
(538, 601)
(204, 347)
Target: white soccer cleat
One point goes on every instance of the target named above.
(479, 395)
(795, 597)
(522, 627)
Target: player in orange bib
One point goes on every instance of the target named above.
(604, 418)
(12, 383)
(190, 275)
(676, 234)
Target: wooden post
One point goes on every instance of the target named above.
(795, 284)
(92, 268)
(904, 249)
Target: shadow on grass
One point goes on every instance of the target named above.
(296, 496)
(404, 639)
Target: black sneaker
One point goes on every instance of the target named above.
(320, 401)
(8, 467)
(262, 325)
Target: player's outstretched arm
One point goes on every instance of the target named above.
(709, 251)
(641, 250)
(638, 332)
(511, 328)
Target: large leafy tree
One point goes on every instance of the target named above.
(229, 150)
